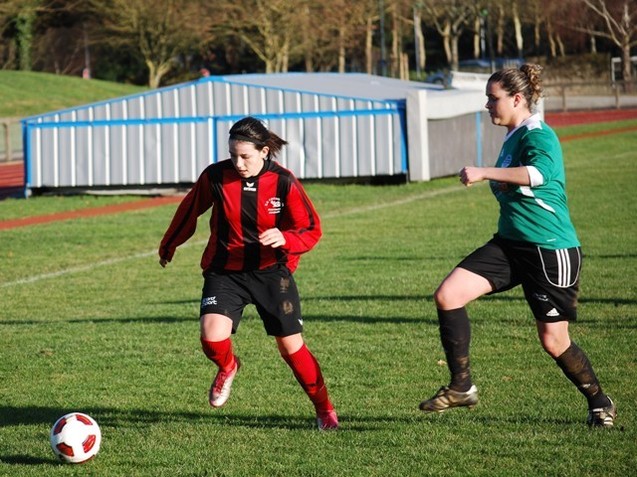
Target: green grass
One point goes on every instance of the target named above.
(26, 93)
(90, 322)
(595, 128)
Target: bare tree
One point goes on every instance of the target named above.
(161, 30)
(619, 25)
(272, 29)
(334, 30)
(419, 39)
(449, 18)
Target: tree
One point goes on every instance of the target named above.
(270, 28)
(449, 18)
(160, 30)
(21, 15)
(619, 25)
(333, 30)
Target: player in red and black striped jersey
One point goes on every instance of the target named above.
(261, 222)
(242, 209)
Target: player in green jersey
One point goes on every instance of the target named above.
(536, 246)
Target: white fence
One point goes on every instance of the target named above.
(168, 136)
(337, 126)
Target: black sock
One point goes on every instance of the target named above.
(579, 371)
(455, 335)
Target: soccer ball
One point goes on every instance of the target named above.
(75, 438)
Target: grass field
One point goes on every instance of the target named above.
(26, 93)
(90, 322)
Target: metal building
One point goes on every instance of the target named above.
(337, 125)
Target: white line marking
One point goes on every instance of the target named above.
(112, 261)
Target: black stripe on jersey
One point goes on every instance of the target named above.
(251, 249)
(221, 226)
(282, 190)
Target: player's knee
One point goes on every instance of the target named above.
(554, 345)
(445, 298)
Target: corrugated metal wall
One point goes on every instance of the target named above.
(452, 143)
(169, 135)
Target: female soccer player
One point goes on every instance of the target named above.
(536, 246)
(261, 222)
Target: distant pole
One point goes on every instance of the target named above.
(383, 54)
(86, 73)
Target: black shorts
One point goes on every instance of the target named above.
(272, 291)
(549, 278)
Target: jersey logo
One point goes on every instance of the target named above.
(249, 186)
(540, 296)
(274, 205)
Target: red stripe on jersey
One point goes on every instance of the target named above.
(269, 209)
(231, 190)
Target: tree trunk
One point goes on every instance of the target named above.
(560, 45)
(404, 66)
(341, 50)
(476, 38)
(369, 57)
(156, 72)
(552, 45)
(419, 41)
(455, 59)
(500, 31)
(395, 45)
(517, 26)
(627, 73)
(446, 35)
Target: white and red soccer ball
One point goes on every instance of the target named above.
(75, 438)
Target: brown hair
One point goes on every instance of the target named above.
(250, 129)
(524, 80)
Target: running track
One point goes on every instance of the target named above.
(12, 174)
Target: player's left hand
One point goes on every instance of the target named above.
(272, 238)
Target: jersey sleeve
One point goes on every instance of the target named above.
(184, 222)
(301, 225)
(538, 153)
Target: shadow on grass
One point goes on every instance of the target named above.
(367, 319)
(26, 460)
(113, 418)
(123, 320)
